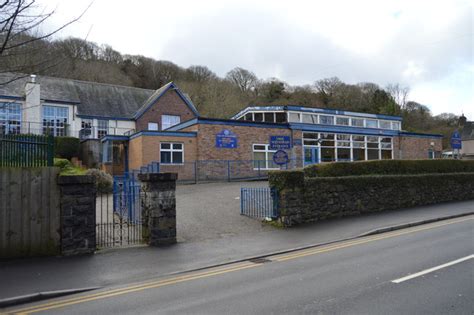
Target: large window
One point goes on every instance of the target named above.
(294, 117)
(326, 120)
(102, 128)
(55, 120)
(342, 121)
(357, 122)
(263, 157)
(168, 121)
(10, 118)
(171, 153)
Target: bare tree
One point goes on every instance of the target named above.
(245, 80)
(399, 93)
(19, 36)
(200, 74)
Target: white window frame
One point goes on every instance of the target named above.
(10, 118)
(172, 150)
(57, 129)
(102, 128)
(153, 124)
(167, 125)
(268, 157)
(324, 115)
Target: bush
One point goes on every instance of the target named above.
(62, 163)
(66, 147)
(103, 180)
(389, 167)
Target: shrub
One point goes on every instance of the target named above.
(103, 180)
(388, 167)
(66, 147)
(62, 163)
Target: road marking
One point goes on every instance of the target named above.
(424, 272)
(223, 270)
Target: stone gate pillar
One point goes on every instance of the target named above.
(158, 200)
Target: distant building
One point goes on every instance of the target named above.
(467, 138)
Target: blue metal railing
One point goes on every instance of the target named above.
(259, 202)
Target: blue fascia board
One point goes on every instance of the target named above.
(180, 94)
(419, 135)
(114, 137)
(187, 134)
(11, 97)
(103, 117)
(343, 129)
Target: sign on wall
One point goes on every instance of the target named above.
(456, 142)
(226, 139)
(280, 157)
(280, 142)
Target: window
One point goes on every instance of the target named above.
(153, 126)
(372, 142)
(263, 157)
(102, 128)
(55, 120)
(396, 125)
(294, 117)
(280, 117)
(357, 122)
(343, 121)
(269, 117)
(386, 143)
(327, 139)
(10, 118)
(326, 120)
(343, 141)
(310, 138)
(249, 117)
(171, 153)
(310, 119)
(86, 128)
(168, 121)
(371, 123)
(258, 116)
(327, 155)
(385, 124)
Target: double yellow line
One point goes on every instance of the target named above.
(227, 269)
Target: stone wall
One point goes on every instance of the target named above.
(311, 199)
(78, 217)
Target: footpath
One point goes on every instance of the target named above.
(121, 266)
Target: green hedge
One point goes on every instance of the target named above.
(389, 167)
(66, 147)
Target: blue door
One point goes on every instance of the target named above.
(311, 156)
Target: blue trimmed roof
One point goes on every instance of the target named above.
(159, 93)
(314, 110)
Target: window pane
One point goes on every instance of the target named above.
(343, 144)
(344, 155)
(280, 117)
(326, 120)
(343, 121)
(259, 147)
(307, 118)
(168, 121)
(269, 117)
(177, 146)
(165, 146)
(327, 154)
(386, 154)
(248, 117)
(259, 160)
(327, 139)
(385, 124)
(177, 157)
(358, 154)
(165, 157)
(294, 117)
(258, 116)
(358, 138)
(310, 135)
(343, 137)
(358, 122)
(152, 126)
(371, 123)
(395, 125)
(372, 145)
(372, 154)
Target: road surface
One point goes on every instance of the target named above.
(425, 269)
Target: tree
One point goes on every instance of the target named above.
(399, 93)
(200, 74)
(243, 79)
(19, 37)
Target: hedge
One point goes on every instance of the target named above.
(66, 147)
(389, 167)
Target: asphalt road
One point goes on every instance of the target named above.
(362, 276)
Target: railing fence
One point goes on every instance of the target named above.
(26, 150)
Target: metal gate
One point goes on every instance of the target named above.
(119, 221)
(259, 202)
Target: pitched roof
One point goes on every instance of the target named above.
(160, 92)
(92, 99)
(468, 131)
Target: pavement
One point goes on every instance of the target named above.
(425, 269)
(119, 266)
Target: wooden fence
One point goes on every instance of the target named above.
(29, 212)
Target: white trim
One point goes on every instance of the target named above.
(172, 150)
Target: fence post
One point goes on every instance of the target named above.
(228, 170)
(50, 150)
(195, 172)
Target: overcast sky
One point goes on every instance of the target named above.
(426, 45)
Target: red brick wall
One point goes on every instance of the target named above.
(407, 148)
(168, 104)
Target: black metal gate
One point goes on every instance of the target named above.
(118, 215)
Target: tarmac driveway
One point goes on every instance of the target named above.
(212, 210)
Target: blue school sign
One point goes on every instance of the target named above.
(280, 157)
(226, 139)
(456, 142)
(280, 142)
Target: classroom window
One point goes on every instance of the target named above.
(371, 123)
(294, 117)
(280, 117)
(263, 157)
(326, 120)
(102, 128)
(171, 153)
(55, 120)
(342, 121)
(357, 122)
(385, 124)
(269, 117)
(10, 118)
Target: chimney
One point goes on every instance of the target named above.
(462, 120)
(31, 110)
